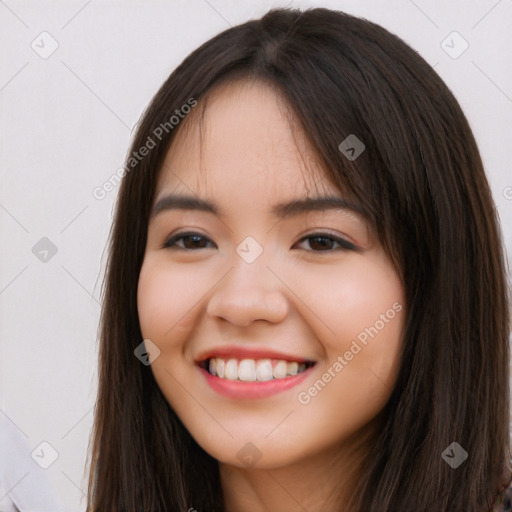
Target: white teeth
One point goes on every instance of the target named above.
(231, 370)
(280, 370)
(264, 369)
(292, 368)
(220, 367)
(251, 370)
(247, 370)
(212, 366)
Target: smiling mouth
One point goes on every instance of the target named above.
(253, 370)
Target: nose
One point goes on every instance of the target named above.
(249, 292)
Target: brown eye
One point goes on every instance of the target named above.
(190, 241)
(324, 242)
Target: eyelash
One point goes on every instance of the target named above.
(343, 244)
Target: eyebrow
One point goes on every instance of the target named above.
(282, 210)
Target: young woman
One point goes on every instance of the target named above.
(305, 303)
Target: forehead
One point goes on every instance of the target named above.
(243, 140)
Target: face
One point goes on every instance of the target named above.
(295, 310)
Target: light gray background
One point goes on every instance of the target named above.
(66, 123)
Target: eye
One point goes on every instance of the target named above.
(318, 242)
(325, 242)
(190, 240)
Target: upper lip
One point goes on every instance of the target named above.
(237, 352)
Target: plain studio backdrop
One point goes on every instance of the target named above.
(74, 79)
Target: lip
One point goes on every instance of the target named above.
(251, 390)
(234, 352)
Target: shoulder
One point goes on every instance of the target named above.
(504, 500)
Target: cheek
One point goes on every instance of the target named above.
(166, 296)
(365, 315)
(167, 300)
(363, 291)
(362, 315)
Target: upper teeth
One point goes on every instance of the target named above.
(252, 370)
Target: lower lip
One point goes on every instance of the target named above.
(259, 389)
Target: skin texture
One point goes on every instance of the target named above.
(295, 297)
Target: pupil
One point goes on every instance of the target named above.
(325, 243)
(194, 239)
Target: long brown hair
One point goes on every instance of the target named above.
(422, 183)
